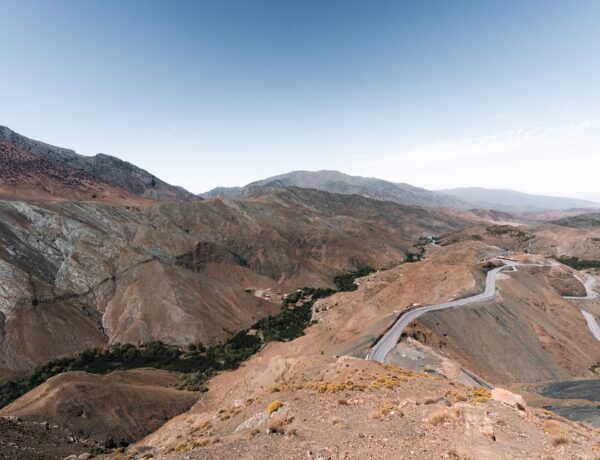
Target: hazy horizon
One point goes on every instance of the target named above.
(206, 94)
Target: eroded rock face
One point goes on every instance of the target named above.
(76, 275)
(206, 252)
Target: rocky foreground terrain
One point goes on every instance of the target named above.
(316, 397)
(22, 440)
(355, 409)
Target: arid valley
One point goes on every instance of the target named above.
(140, 321)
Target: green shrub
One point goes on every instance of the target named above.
(578, 264)
(413, 257)
(500, 230)
(345, 282)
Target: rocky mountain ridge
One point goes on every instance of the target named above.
(27, 176)
(101, 168)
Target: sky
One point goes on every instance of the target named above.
(437, 94)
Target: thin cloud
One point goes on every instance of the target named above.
(558, 159)
(583, 125)
(454, 149)
(464, 148)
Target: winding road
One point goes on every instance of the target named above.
(590, 294)
(588, 284)
(592, 324)
(392, 336)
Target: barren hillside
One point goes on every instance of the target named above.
(528, 333)
(79, 274)
(27, 176)
(549, 239)
(112, 410)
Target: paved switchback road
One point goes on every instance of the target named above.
(590, 294)
(592, 324)
(391, 337)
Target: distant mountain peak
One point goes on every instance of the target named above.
(338, 182)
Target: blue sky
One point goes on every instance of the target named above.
(434, 93)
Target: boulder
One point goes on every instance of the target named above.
(510, 399)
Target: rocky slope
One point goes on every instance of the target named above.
(27, 176)
(580, 239)
(78, 275)
(111, 410)
(101, 169)
(22, 440)
(528, 333)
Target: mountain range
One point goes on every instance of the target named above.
(458, 199)
(36, 170)
(337, 182)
